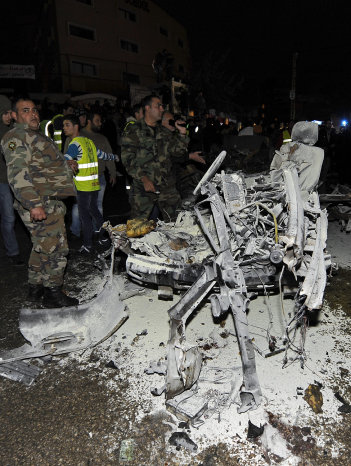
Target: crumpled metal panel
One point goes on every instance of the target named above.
(233, 191)
(316, 278)
(294, 235)
(60, 331)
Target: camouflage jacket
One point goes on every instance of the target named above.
(35, 167)
(151, 152)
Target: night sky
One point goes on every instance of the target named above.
(261, 38)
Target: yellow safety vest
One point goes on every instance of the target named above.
(56, 130)
(87, 178)
(286, 136)
(131, 122)
(42, 126)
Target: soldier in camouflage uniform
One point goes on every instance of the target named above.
(187, 175)
(39, 178)
(148, 150)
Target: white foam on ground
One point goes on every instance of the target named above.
(339, 244)
(327, 350)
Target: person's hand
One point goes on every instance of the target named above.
(112, 180)
(197, 157)
(73, 165)
(181, 129)
(148, 185)
(37, 214)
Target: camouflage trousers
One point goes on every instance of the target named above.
(142, 203)
(47, 261)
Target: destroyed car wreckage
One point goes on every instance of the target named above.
(245, 235)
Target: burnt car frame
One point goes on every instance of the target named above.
(244, 235)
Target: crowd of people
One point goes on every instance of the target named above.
(45, 162)
(53, 153)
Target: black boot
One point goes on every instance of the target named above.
(55, 297)
(35, 292)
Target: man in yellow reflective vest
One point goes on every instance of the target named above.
(84, 152)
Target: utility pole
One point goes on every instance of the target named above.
(293, 87)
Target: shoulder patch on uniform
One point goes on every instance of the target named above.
(12, 145)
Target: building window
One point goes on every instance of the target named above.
(129, 46)
(81, 31)
(131, 78)
(180, 43)
(163, 31)
(86, 69)
(87, 2)
(128, 15)
(181, 68)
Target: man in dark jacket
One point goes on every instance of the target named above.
(6, 198)
(148, 152)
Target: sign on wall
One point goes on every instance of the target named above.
(142, 4)
(17, 71)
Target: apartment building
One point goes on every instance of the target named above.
(105, 45)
